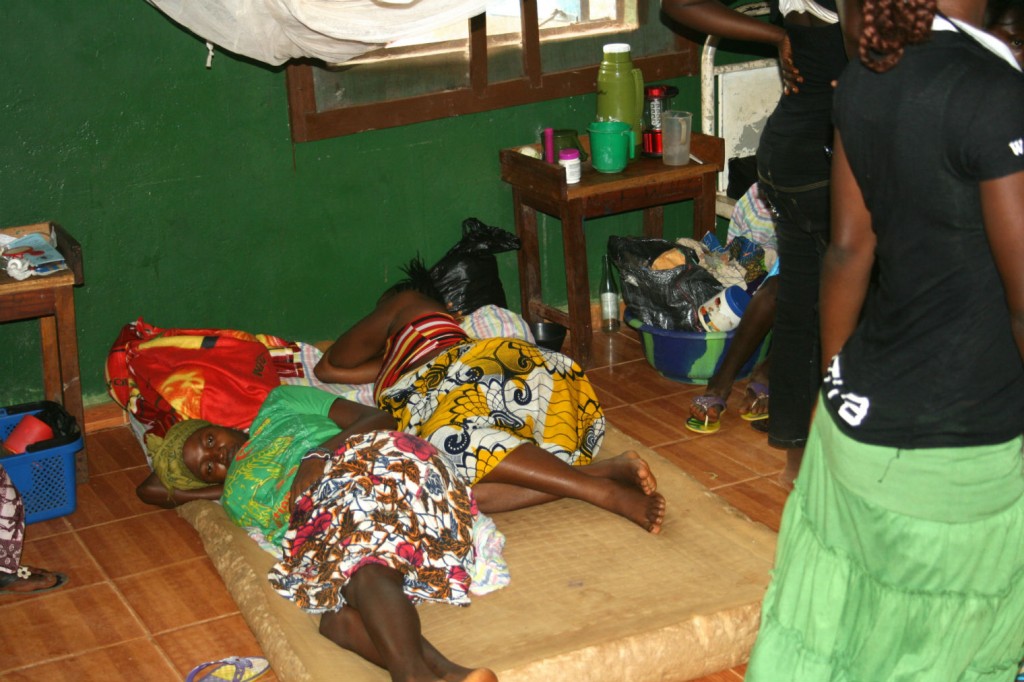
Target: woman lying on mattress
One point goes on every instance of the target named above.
(519, 422)
(368, 518)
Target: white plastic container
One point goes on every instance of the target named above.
(722, 312)
(570, 160)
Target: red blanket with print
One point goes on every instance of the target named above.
(163, 376)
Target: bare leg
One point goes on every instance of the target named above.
(794, 456)
(531, 475)
(385, 630)
(627, 468)
(757, 320)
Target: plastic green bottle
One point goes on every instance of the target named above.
(620, 88)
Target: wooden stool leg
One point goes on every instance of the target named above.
(71, 381)
(52, 389)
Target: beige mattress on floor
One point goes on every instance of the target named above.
(592, 597)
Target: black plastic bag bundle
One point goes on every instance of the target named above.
(467, 276)
(668, 299)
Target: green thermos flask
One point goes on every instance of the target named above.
(620, 88)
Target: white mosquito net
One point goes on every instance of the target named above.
(274, 31)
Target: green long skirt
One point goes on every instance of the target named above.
(896, 565)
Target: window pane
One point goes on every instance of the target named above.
(433, 80)
(346, 86)
(645, 38)
(558, 20)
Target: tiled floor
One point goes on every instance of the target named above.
(145, 603)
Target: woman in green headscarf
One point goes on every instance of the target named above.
(169, 466)
(368, 518)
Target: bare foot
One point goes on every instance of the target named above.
(755, 399)
(456, 673)
(629, 467)
(646, 511)
(453, 672)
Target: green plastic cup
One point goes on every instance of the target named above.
(611, 144)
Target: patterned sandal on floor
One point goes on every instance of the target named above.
(231, 669)
(706, 425)
(761, 395)
(24, 573)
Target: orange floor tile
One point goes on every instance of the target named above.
(144, 602)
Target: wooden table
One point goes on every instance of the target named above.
(51, 299)
(646, 184)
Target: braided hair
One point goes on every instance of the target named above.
(888, 26)
(417, 278)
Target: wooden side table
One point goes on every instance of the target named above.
(51, 300)
(646, 184)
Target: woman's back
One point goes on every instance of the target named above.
(934, 356)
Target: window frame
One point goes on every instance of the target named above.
(308, 124)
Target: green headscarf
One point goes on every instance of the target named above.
(168, 459)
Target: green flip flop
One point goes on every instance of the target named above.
(706, 425)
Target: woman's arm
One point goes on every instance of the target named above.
(714, 18)
(152, 491)
(850, 18)
(356, 357)
(846, 269)
(353, 418)
(1002, 206)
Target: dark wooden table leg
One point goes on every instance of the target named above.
(577, 284)
(704, 215)
(654, 222)
(528, 256)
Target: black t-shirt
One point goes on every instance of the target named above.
(933, 362)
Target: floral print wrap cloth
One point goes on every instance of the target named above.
(387, 498)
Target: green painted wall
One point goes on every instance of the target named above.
(194, 208)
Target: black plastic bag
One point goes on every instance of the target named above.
(668, 299)
(467, 276)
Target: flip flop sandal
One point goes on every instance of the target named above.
(231, 669)
(706, 425)
(760, 392)
(698, 426)
(24, 573)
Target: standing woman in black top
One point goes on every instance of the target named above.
(793, 173)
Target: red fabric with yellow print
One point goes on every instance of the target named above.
(163, 376)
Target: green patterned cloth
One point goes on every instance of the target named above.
(291, 420)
